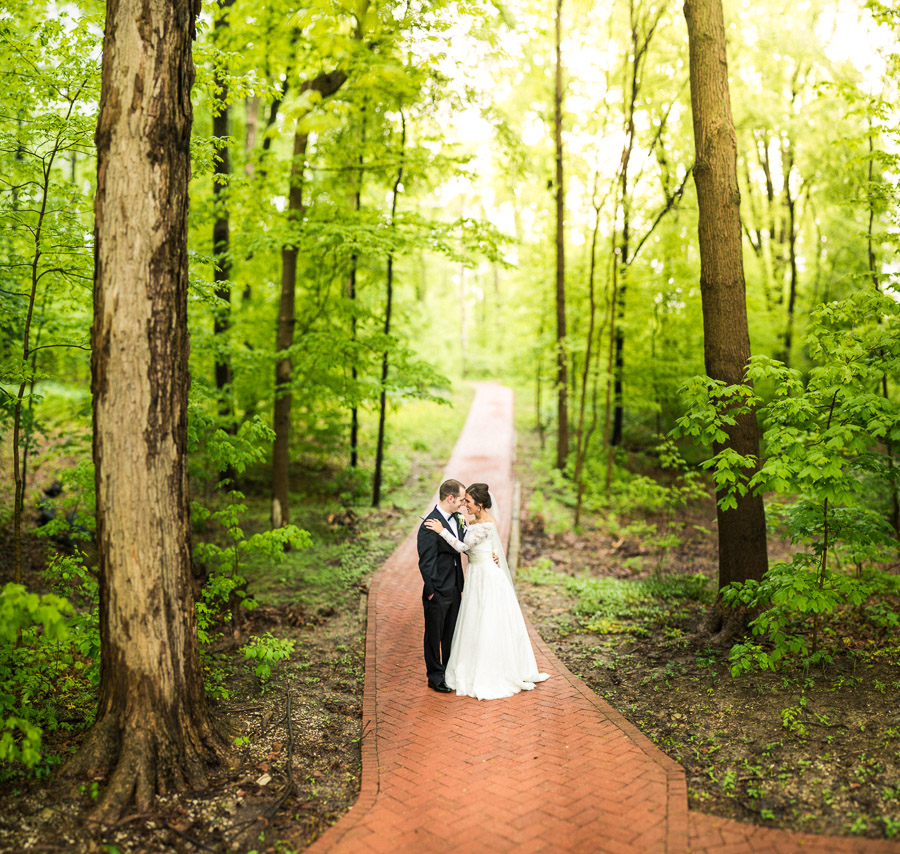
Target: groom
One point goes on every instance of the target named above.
(441, 568)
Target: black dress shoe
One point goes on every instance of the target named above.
(441, 687)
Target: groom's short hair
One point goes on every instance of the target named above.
(450, 487)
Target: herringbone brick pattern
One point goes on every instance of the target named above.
(551, 770)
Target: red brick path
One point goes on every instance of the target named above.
(553, 770)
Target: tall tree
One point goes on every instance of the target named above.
(351, 290)
(45, 261)
(742, 529)
(582, 437)
(562, 383)
(325, 84)
(221, 225)
(153, 730)
(641, 35)
(388, 304)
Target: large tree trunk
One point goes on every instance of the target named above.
(327, 85)
(153, 730)
(562, 389)
(742, 531)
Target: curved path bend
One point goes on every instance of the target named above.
(551, 770)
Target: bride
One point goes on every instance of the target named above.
(491, 656)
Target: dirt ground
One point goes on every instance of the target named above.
(297, 755)
(815, 751)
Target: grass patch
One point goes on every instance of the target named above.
(608, 605)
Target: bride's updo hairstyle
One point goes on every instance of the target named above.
(480, 494)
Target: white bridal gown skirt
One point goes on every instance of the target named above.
(491, 655)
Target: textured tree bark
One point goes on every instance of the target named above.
(326, 85)
(742, 531)
(562, 382)
(153, 732)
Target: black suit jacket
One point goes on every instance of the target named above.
(439, 563)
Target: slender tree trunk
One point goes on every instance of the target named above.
(539, 385)
(619, 360)
(20, 455)
(610, 361)
(351, 295)
(776, 226)
(581, 439)
(251, 127)
(327, 85)
(389, 296)
(20, 449)
(870, 199)
(742, 531)
(354, 410)
(221, 229)
(618, 366)
(876, 283)
(29, 430)
(562, 383)
(463, 322)
(892, 483)
(153, 733)
(284, 339)
(640, 43)
(790, 204)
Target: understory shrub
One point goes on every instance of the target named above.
(830, 440)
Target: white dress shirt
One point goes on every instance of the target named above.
(451, 521)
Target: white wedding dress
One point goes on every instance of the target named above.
(490, 655)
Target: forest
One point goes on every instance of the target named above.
(256, 253)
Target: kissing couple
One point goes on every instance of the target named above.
(476, 642)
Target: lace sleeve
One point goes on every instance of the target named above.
(474, 535)
(450, 540)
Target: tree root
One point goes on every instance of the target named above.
(144, 758)
(723, 625)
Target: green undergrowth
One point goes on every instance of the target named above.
(608, 605)
(49, 643)
(349, 538)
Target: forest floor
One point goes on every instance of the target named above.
(816, 751)
(296, 739)
(621, 604)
